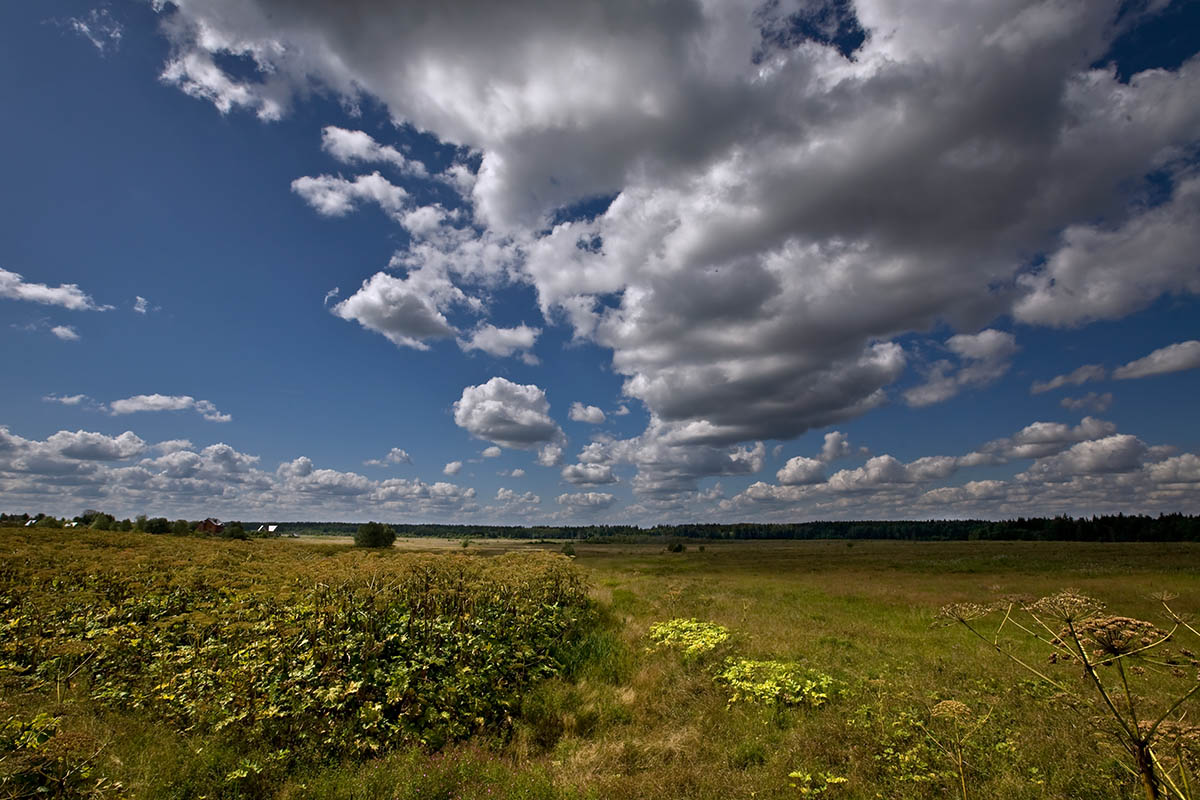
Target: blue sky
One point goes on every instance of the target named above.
(791, 260)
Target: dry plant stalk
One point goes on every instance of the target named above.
(1078, 633)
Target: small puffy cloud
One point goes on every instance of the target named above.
(1179, 469)
(405, 310)
(334, 196)
(520, 503)
(512, 473)
(836, 446)
(164, 402)
(621, 411)
(509, 414)
(173, 445)
(1042, 439)
(351, 147)
(503, 342)
(452, 468)
(581, 413)
(65, 332)
(1172, 358)
(586, 501)
(1116, 453)
(1092, 401)
(491, 452)
(550, 455)
(1077, 377)
(588, 474)
(983, 358)
(140, 304)
(67, 295)
(801, 470)
(331, 294)
(396, 455)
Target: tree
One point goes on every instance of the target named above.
(181, 527)
(158, 525)
(234, 530)
(374, 534)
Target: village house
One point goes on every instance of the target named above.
(210, 525)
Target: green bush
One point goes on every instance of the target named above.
(374, 534)
(420, 651)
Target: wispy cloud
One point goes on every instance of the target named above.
(164, 402)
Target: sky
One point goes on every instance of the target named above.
(608, 261)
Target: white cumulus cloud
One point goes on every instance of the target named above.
(581, 413)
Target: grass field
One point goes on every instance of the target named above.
(614, 717)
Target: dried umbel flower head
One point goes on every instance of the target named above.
(1067, 606)
(961, 612)
(1011, 600)
(951, 709)
(1118, 636)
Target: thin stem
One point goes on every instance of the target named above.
(1169, 711)
(1011, 657)
(1128, 694)
(1090, 671)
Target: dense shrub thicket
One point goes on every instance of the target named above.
(358, 656)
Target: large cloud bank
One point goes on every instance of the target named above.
(783, 190)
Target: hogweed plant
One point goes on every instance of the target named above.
(1119, 660)
(958, 717)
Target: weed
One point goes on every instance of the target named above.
(1078, 634)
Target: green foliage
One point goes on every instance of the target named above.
(775, 683)
(234, 530)
(376, 534)
(181, 527)
(691, 636)
(568, 549)
(39, 759)
(815, 784)
(414, 650)
(158, 525)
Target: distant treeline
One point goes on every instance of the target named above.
(1118, 528)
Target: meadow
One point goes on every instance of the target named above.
(153, 666)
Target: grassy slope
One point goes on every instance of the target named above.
(631, 723)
